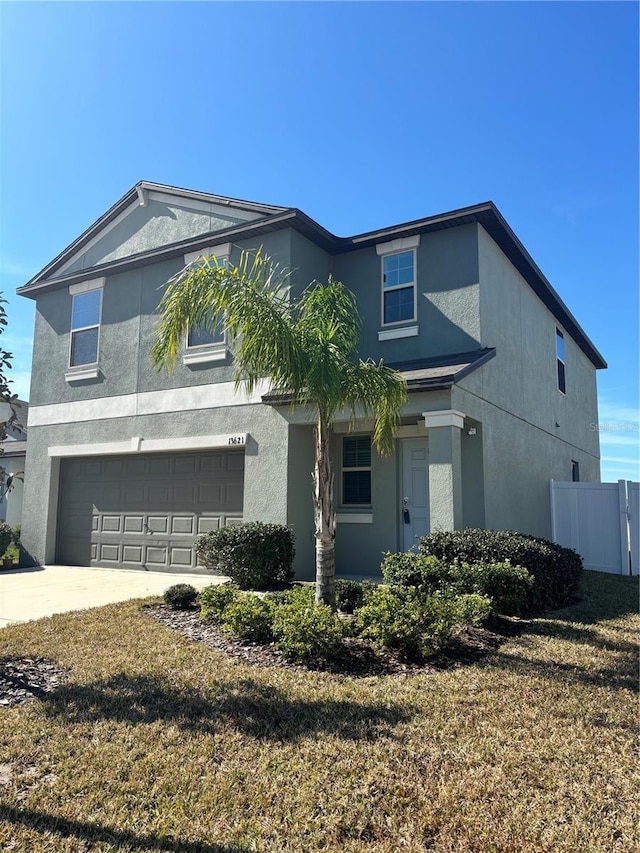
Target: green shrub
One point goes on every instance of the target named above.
(507, 586)
(6, 537)
(304, 593)
(254, 555)
(180, 596)
(556, 570)
(471, 609)
(406, 568)
(350, 594)
(249, 617)
(15, 535)
(216, 598)
(416, 624)
(306, 631)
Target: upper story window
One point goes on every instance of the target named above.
(575, 471)
(204, 344)
(85, 326)
(398, 288)
(356, 470)
(562, 385)
(399, 292)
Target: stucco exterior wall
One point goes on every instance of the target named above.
(447, 291)
(156, 224)
(530, 430)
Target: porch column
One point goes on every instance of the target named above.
(445, 468)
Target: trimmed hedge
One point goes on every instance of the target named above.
(556, 570)
(505, 585)
(254, 555)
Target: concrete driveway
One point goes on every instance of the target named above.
(27, 594)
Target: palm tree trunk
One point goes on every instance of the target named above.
(325, 518)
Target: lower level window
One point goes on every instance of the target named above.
(356, 470)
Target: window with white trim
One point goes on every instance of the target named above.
(399, 287)
(205, 342)
(356, 470)
(562, 381)
(86, 313)
(204, 336)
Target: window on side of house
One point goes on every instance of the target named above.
(356, 470)
(575, 471)
(562, 384)
(86, 313)
(204, 341)
(399, 287)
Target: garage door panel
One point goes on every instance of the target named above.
(211, 464)
(233, 498)
(113, 468)
(181, 557)
(109, 553)
(182, 525)
(145, 512)
(158, 524)
(185, 465)
(156, 555)
(159, 466)
(111, 523)
(208, 523)
(132, 554)
(235, 462)
(134, 467)
(133, 524)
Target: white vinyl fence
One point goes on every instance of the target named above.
(601, 521)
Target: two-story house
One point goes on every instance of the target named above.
(127, 466)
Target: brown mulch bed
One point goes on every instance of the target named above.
(359, 660)
(22, 679)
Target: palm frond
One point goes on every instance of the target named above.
(377, 391)
(251, 301)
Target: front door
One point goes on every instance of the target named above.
(414, 497)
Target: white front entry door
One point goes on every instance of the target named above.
(414, 497)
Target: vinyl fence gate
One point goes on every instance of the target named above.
(601, 521)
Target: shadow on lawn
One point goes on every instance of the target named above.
(95, 833)
(606, 598)
(257, 710)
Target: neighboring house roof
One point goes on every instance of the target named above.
(11, 449)
(271, 218)
(426, 374)
(17, 429)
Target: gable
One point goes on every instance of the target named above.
(159, 221)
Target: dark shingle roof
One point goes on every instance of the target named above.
(277, 218)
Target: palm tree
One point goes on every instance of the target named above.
(307, 349)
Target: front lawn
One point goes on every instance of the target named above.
(155, 743)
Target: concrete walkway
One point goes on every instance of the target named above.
(27, 594)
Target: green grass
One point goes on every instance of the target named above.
(157, 744)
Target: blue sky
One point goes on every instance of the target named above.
(360, 114)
